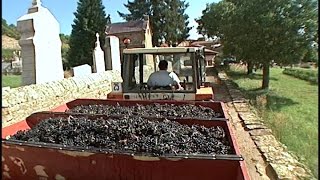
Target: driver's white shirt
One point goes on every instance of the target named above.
(163, 78)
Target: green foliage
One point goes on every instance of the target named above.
(64, 50)
(291, 110)
(10, 30)
(260, 31)
(64, 38)
(167, 18)
(305, 65)
(64, 55)
(7, 54)
(12, 81)
(304, 74)
(90, 18)
(311, 54)
(212, 18)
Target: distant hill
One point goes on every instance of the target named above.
(10, 36)
(10, 30)
(9, 43)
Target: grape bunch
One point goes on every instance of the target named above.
(130, 134)
(151, 110)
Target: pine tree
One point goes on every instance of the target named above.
(167, 18)
(176, 27)
(90, 18)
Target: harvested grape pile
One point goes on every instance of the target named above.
(153, 110)
(134, 134)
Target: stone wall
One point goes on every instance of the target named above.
(19, 103)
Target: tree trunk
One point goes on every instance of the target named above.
(249, 68)
(265, 75)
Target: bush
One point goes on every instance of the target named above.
(308, 75)
(305, 65)
(7, 54)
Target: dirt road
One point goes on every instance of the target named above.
(256, 165)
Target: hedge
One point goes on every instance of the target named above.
(304, 74)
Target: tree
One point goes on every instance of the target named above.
(167, 18)
(7, 54)
(64, 50)
(64, 38)
(311, 54)
(261, 31)
(10, 30)
(176, 23)
(90, 18)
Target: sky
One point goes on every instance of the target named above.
(63, 11)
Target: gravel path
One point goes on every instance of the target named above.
(256, 165)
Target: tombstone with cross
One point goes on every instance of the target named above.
(98, 57)
(40, 45)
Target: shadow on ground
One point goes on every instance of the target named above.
(257, 96)
(266, 98)
(242, 75)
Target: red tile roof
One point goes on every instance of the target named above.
(130, 26)
(208, 51)
(202, 42)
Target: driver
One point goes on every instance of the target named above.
(163, 78)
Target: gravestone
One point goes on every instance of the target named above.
(98, 58)
(82, 70)
(112, 53)
(40, 46)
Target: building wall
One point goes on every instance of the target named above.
(210, 60)
(137, 40)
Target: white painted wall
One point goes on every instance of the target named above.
(40, 46)
(98, 58)
(115, 53)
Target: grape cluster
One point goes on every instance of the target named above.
(132, 134)
(152, 110)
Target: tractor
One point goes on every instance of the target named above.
(187, 62)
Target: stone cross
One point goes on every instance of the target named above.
(36, 3)
(97, 42)
(98, 57)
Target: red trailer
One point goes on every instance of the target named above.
(25, 160)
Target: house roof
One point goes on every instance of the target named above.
(198, 44)
(202, 43)
(130, 26)
(184, 44)
(208, 51)
(155, 50)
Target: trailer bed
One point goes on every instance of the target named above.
(216, 106)
(25, 160)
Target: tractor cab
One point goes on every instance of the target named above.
(188, 63)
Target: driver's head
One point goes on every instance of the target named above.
(163, 65)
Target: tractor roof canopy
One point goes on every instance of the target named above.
(160, 50)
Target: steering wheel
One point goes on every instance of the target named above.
(183, 84)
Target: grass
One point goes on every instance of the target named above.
(11, 80)
(290, 110)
